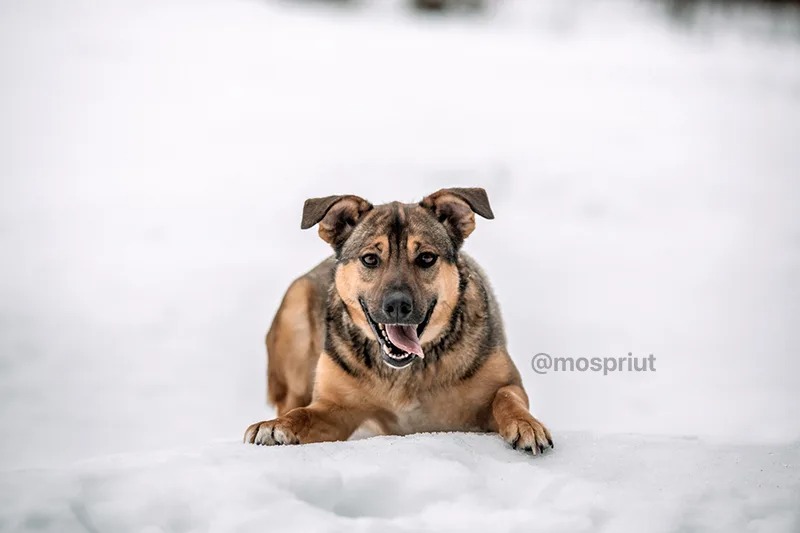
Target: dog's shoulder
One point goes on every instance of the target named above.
(480, 297)
(322, 274)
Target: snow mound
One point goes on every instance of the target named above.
(429, 482)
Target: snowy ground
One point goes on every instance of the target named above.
(427, 482)
(154, 156)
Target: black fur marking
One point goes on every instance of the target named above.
(453, 335)
(476, 364)
(337, 358)
(462, 283)
(397, 231)
(488, 341)
(348, 333)
(397, 225)
(364, 349)
(493, 333)
(454, 331)
(424, 324)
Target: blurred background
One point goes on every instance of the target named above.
(642, 157)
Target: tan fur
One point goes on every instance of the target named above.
(459, 386)
(347, 284)
(447, 285)
(294, 341)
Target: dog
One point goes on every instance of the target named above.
(397, 333)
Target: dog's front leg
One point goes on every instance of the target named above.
(319, 422)
(515, 423)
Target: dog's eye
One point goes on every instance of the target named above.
(426, 259)
(370, 260)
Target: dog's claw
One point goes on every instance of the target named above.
(526, 434)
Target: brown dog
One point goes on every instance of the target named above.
(399, 332)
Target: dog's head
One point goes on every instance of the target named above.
(396, 268)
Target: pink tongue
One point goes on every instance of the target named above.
(405, 338)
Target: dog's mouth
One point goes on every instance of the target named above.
(399, 343)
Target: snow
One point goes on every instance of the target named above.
(428, 482)
(154, 156)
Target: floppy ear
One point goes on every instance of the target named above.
(456, 208)
(336, 216)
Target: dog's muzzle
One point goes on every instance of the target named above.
(399, 342)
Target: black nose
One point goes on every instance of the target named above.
(398, 306)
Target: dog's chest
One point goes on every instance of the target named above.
(412, 418)
(426, 416)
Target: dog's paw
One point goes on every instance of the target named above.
(270, 433)
(526, 433)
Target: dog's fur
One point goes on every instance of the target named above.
(327, 374)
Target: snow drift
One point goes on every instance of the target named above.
(428, 482)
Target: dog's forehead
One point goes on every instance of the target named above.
(398, 220)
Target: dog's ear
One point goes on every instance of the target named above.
(456, 208)
(336, 216)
